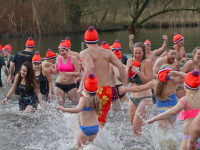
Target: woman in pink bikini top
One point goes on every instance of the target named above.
(188, 106)
(68, 68)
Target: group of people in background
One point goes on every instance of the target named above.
(100, 77)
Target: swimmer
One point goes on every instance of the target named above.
(165, 92)
(188, 106)
(7, 50)
(28, 87)
(89, 107)
(49, 60)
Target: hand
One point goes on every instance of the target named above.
(12, 78)
(50, 69)
(8, 80)
(164, 37)
(50, 96)
(80, 89)
(131, 37)
(130, 64)
(4, 100)
(135, 69)
(122, 90)
(171, 73)
(148, 121)
(60, 107)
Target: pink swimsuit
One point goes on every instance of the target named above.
(68, 67)
(188, 114)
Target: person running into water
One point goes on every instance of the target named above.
(165, 92)
(70, 52)
(97, 60)
(43, 76)
(7, 50)
(68, 68)
(188, 106)
(150, 54)
(89, 107)
(49, 60)
(28, 87)
(2, 65)
(139, 71)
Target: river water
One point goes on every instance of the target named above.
(58, 131)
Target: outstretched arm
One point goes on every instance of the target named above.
(160, 50)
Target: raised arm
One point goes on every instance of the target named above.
(55, 70)
(131, 46)
(161, 49)
(187, 66)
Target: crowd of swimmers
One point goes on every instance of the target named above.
(100, 77)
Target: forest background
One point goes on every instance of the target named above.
(47, 17)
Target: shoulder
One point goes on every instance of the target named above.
(73, 57)
(147, 60)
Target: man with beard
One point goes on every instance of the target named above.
(170, 58)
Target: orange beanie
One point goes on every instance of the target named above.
(63, 45)
(50, 54)
(36, 58)
(105, 45)
(177, 38)
(131, 73)
(192, 80)
(118, 53)
(147, 42)
(163, 74)
(91, 36)
(116, 45)
(30, 43)
(1, 49)
(67, 40)
(8, 48)
(91, 84)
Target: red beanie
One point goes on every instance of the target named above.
(147, 42)
(105, 45)
(116, 45)
(63, 45)
(36, 58)
(50, 54)
(131, 73)
(91, 84)
(118, 53)
(91, 36)
(8, 48)
(1, 49)
(192, 80)
(177, 38)
(30, 43)
(67, 40)
(163, 74)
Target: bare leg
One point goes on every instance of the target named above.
(29, 109)
(73, 96)
(141, 114)
(116, 105)
(132, 109)
(60, 95)
(81, 139)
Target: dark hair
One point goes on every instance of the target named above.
(30, 77)
(169, 48)
(141, 45)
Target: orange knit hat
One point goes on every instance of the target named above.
(63, 45)
(67, 40)
(131, 73)
(118, 53)
(30, 43)
(36, 58)
(8, 48)
(177, 38)
(116, 45)
(80, 61)
(192, 80)
(50, 54)
(105, 45)
(147, 42)
(91, 36)
(1, 49)
(163, 74)
(91, 84)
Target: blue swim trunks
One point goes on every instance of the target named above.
(89, 130)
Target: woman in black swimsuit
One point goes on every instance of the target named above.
(28, 87)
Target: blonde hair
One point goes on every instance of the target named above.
(160, 90)
(191, 94)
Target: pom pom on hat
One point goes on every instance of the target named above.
(91, 36)
(8, 48)
(118, 53)
(1, 49)
(91, 84)
(30, 43)
(36, 58)
(177, 38)
(147, 42)
(63, 45)
(175, 33)
(192, 80)
(105, 45)
(67, 40)
(50, 54)
(131, 73)
(116, 45)
(163, 74)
